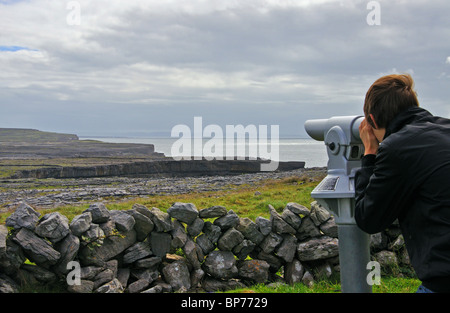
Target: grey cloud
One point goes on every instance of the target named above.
(147, 66)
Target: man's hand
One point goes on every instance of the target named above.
(368, 138)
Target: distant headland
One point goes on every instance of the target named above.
(31, 153)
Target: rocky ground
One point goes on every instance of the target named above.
(49, 193)
(28, 149)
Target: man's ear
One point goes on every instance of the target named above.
(373, 121)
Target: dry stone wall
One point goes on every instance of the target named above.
(184, 249)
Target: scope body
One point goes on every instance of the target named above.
(344, 149)
(336, 192)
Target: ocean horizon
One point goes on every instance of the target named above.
(310, 151)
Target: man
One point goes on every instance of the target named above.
(405, 175)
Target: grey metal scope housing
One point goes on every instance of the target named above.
(336, 192)
(341, 136)
(345, 150)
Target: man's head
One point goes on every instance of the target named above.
(387, 97)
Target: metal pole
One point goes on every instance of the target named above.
(354, 254)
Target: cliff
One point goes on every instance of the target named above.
(165, 167)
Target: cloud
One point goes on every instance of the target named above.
(272, 61)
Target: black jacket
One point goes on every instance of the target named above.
(409, 180)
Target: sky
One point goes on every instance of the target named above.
(141, 67)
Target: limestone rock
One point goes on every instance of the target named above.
(291, 218)
(243, 249)
(250, 230)
(194, 253)
(103, 277)
(94, 235)
(148, 262)
(319, 214)
(265, 226)
(124, 222)
(8, 285)
(204, 243)
(160, 243)
(37, 249)
(41, 274)
(195, 228)
(68, 248)
(111, 247)
(184, 212)
(388, 261)
(162, 220)
(99, 213)
(221, 264)
(279, 225)
(211, 284)
(329, 228)
(230, 239)
(177, 275)
(318, 249)
(196, 277)
(138, 286)
(3, 235)
(113, 286)
(137, 251)
(150, 274)
(307, 229)
(80, 223)
(155, 289)
(53, 226)
(213, 232)
(254, 270)
(227, 221)
(85, 286)
(213, 212)
(143, 224)
(293, 272)
(271, 242)
(23, 217)
(298, 209)
(179, 236)
(286, 250)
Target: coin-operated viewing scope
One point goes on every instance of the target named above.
(336, 192)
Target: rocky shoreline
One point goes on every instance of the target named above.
(52, 193)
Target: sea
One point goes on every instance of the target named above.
(310, 151)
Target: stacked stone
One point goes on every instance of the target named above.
(148, 250)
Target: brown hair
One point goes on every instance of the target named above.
(387, 97)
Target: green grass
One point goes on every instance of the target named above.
(15, 135)
(387, 285)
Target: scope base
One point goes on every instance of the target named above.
(336, 193)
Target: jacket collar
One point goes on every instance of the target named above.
(406, 117)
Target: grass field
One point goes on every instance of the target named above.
(387, 285)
